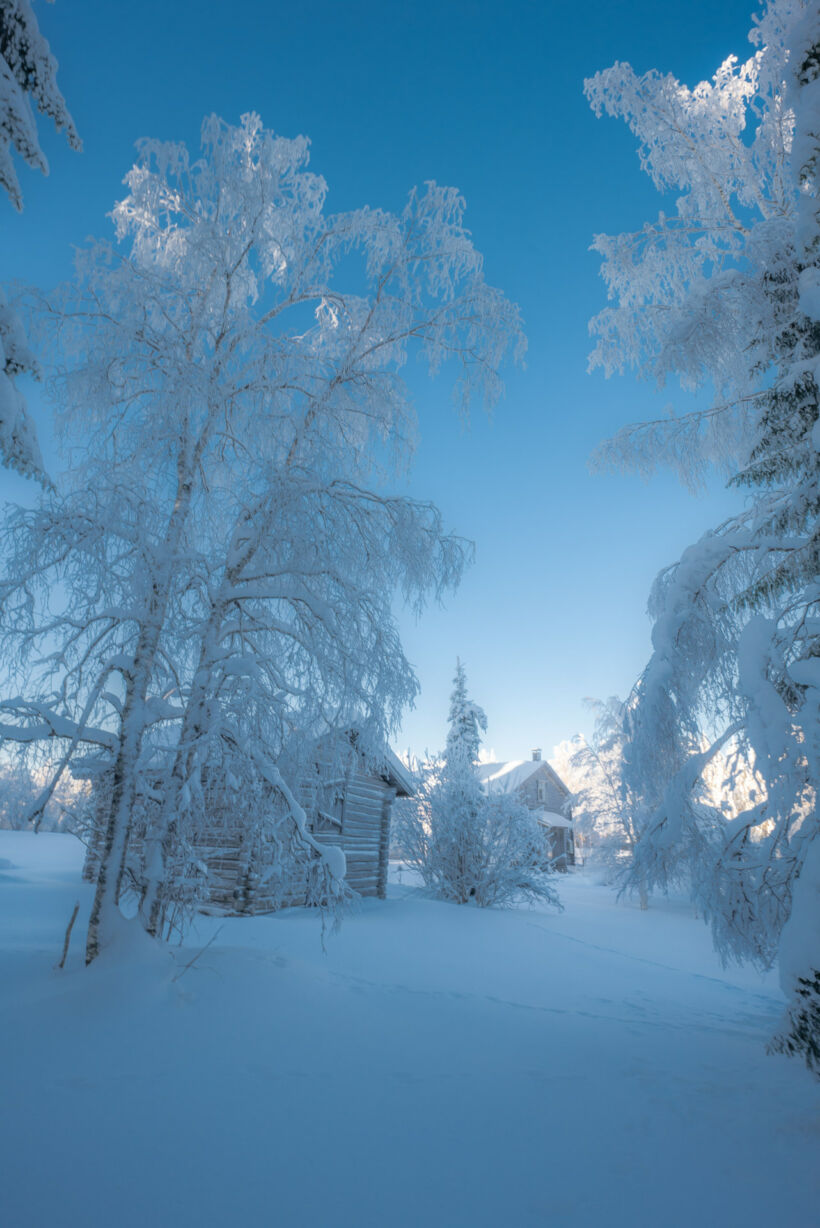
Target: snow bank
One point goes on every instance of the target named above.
(439, 1065)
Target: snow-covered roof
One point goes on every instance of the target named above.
(397, 775)
(509, 777)
(391, 769)
(550, 819)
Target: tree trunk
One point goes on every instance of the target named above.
(132, 729)
(162, 838)
(118, 828)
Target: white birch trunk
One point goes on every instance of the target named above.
(132, 730)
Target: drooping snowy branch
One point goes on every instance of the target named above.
(28, 73)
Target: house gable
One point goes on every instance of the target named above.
(538, 784)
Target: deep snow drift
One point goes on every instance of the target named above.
(438, 1065)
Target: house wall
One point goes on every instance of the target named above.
(541, 791)
(562, 845)
(552, 795)
(365, 832)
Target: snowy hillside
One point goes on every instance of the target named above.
(438, 1065)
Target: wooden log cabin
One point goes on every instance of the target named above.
(348, 802)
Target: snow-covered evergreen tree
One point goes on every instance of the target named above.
(466, 720)
(471, 846)
(28, 72)
(218, 568)
(723, 293)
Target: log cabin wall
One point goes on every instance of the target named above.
(365, 832)
(384, 847)
(364, 837)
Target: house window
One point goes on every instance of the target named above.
(542, 791)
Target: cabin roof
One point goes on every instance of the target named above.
(390, 769)
(397, 775)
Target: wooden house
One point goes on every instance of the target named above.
(543, 791)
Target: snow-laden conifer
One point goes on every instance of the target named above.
(466, 720)
(28, 73)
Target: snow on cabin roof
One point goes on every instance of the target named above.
(397, 775)
(383, 761)
(391, 769)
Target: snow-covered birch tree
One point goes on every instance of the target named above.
(225, 549)
(28, 73)
(722, 294)
(602, 806)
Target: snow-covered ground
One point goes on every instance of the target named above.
(438, 1065)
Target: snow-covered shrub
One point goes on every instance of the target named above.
(470, 847)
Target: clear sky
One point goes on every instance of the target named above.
(486, 96)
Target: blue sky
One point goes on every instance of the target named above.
(488, 97)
